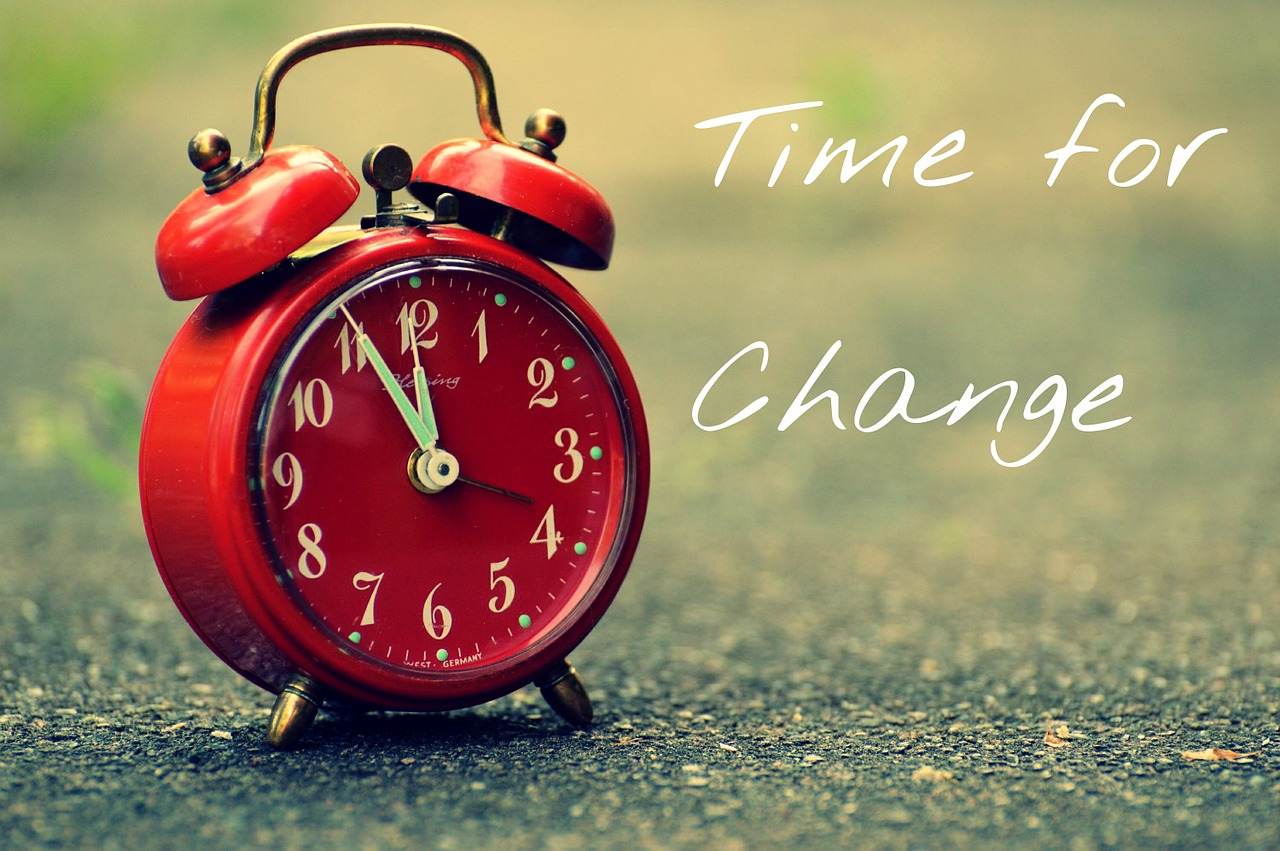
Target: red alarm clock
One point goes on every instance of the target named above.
(401, 465)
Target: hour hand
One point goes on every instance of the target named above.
(421, 423)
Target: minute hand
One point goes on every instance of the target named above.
(422, 426)
(420, 389)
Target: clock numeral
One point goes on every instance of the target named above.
(287, 472)
(415, 320)
(348, 342)
(567, 439)
(507, 583)
(482, 338)
(541, 374)
(436, 619)
(546, 532)
(363, 582)
(311, 404)
(312, 562)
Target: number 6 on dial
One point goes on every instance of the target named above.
(437, 619)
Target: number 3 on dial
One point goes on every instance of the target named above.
(567, 439)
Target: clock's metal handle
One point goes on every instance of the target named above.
(367, 35)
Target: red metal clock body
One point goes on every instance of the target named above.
(407, 466)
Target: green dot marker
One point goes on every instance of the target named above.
(580, 548)
(500, 299)
(596, 453)
(415, 282)
(568, 363)
(525, 621)
(442, 654)
(354, 638)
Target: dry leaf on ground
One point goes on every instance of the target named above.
(1214, 754)
(1057, 737)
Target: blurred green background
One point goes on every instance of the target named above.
(998, 277)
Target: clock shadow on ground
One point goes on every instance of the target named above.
(446, 731)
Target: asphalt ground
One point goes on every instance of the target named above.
(905, 708)
(828, 637)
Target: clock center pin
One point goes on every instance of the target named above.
(432, 471)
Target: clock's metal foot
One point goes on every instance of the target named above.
(564, 692)
(294, 711)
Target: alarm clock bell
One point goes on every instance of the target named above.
(520, 195)
(252, 214)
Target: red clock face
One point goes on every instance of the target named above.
(442, 467)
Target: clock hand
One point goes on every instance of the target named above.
(431, 469)
(425, 411)
(495, 489)
(422, 427)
